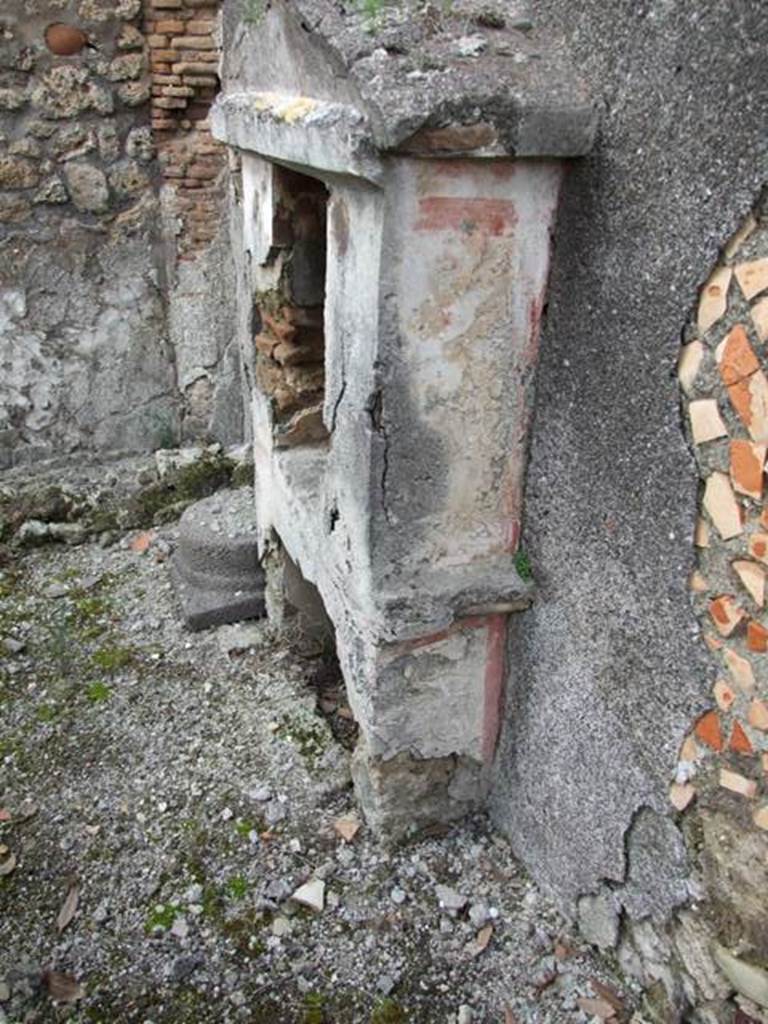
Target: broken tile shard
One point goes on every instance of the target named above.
(757, 637)
(689, 364)
(758, 546)
(707, 729)
(713, 300)
(747, 461)
(735, 357)
(706, 422)
(681, 794)
(701, 533)
(737, 783)
(347, 828)
(599, 1008)
(752, 277)
(741, 671)
(723, 694)
(760, 817)
(759, 314)
(721, 506)
(752, 577)
(726, 614)
(749, 397)
(699, 583)
(757, 716)
(746, 383)
(688, 749)
(739, 742)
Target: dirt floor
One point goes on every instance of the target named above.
(163, 794)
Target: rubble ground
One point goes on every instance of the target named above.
(163, 794)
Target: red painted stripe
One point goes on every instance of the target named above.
(489, 216)
(495, 671)
(472, 622)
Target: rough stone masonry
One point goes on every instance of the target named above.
(114, 325)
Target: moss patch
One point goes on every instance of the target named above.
(307, 733)
(112, 659)
(162, 916)
(387, 1011)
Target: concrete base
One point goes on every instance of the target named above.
(215, 569)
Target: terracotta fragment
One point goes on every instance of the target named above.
(752, 277)
(706, 421)
(738, 783)
(741, 671)
(701, 533)
(753, 578)
(747, 384)
(757, 716)
(760, 817)
(708, 730)
(596, 1008)
(65, 40)
(699, 584)
(758, 546)
(757, 637)
(689, 364)
(747, 462)
(721, 505)
(726, 614)
(749, 397)
(714, 643)
(739, 742)
(724, 695)
(689, 751)
(142, 541)
(347, 828)
(735, 357)
(759, 314)
(681, 794)
(714, 298)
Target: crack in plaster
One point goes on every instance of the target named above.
(375, 409)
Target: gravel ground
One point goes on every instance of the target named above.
(162, 796)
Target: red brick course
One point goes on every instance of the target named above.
(184, 59)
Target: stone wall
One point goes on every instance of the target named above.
(82, 322)
(115, 330)
(608, 673)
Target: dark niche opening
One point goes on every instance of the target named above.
(290, 338)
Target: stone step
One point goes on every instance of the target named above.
(215, 569)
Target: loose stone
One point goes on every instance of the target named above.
(311, 894)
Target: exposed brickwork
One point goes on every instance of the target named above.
(184, 56)
(290, 342)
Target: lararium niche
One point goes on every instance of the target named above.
(392, 238)
(289, 313)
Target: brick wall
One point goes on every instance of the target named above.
(184, 55)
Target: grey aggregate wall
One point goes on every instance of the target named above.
(607, 670)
